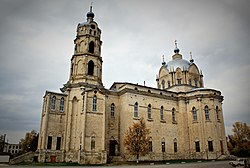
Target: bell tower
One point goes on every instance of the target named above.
(86, 63)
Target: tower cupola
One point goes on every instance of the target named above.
(90, 15)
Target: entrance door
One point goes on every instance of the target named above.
(112, 144)
(52, 159)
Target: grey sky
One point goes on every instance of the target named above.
(36, 45)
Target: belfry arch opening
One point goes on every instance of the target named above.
(91, 68)
(91, 47)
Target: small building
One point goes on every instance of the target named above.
(12, 148)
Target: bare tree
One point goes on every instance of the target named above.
(136, 139)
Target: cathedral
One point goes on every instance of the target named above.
(86, 123)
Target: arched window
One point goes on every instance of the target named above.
(150, 145)
(194, 114)
(168, 83)
(149, 111)
(91, 68)
(197, 146)
(62, 104)
(161, 113)
(112, 110)
(210, 146)
(136, 110)
(53, 103)
(217, 113)
(173, 115)
(91, 47)
(163, 84)
(94, 103)
(190, 82)
(92, 143)
(175, 145)
(196, 83)
(206, 112)
(163, 148)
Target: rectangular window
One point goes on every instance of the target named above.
(175, 147)
(221, 147)
(49, 143)
(150, 146)
(197, 146)
(210, 146)
(58, 143)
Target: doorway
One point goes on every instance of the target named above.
(52, 159)
(112, 147)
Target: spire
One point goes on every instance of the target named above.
(91, 7)
(191, 58)
(90, 14)
(176, 50)
(163, 61)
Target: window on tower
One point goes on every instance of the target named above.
(217, 113)
(53, 103)
(91, 68)
(91, 47)
(168, 83)
(196, 83)
(179, 81)
(49, 142)
(112, 110)
(62, 104)
(163, 84)
(94, 103)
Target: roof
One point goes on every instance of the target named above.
(178, 63)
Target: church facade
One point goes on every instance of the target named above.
(86, 122)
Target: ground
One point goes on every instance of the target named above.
(216, 164)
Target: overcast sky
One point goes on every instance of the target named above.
(36, 45)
